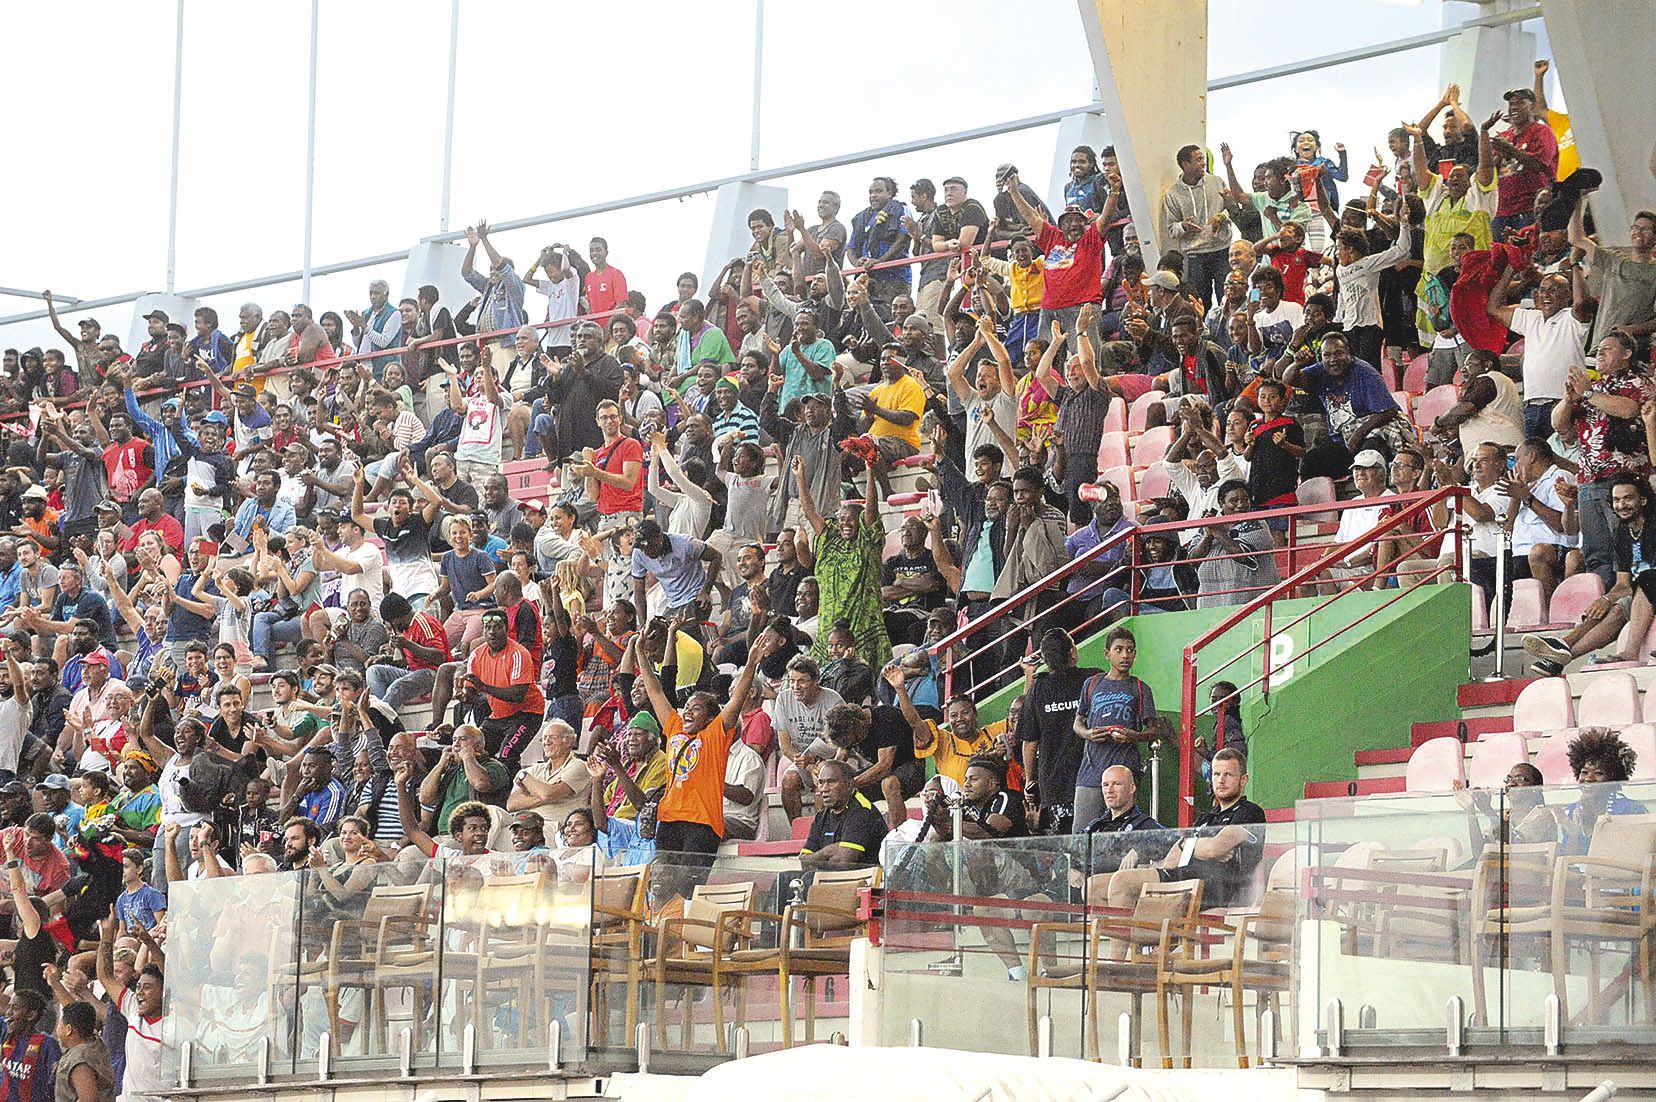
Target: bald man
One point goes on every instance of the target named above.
(1121, 816)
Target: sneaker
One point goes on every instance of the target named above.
(1545, 667)
(1539, 646)
(1018, 973)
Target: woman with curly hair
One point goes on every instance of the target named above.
(1601, 762)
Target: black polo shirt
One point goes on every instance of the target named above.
(1108, 852)
(1227, 882)
(859, 827)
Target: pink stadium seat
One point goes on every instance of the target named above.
(1526, 612)
(1544, 705)
(910, 497)
(1435, 403)
(1610, 700)
(1405, 402)
(1493, 755)
(893, 542)
(1317, 491)
(1642, 738)
(1480, 609)
(1553, 759)
(1414, 379)
(1151, 445)
(1435, 766)
(913, 460)
(1140, 408)
(1115, 419)
(1152, 483)
(1123, 479)
(1112, 450)
(1572, 597)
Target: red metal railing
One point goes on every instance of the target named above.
(969, 646)
(1394, 525)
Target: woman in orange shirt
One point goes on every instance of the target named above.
(690, 815)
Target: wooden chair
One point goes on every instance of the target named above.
(1120, 955)
(1606, 896)
(508, 952)
(1508, 909)
(1259, 959)
(620, 916)
(828, 924)
(694, 950)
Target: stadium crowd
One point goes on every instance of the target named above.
(238, 560)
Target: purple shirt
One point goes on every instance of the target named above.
(1083, 540)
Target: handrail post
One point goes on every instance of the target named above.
(1265, 654)
(1293, 534)
(1132, 576)
(1187, 738)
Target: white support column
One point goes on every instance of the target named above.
(729, 236)
(1487, 62)
(1600, 50)
(1151, 60)
(1087, 129)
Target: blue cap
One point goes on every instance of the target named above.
(216, 417)
(170, 403)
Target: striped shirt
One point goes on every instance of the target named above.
(1081, 419)
(325, 806)
(740, 418)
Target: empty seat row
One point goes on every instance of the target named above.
(1610, 700)
(1441, 764)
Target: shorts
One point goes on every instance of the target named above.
(893, 448)
(686, 837)
(911, 775)
(1521, 564)
(508, 737)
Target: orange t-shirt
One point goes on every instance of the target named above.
(695, 774)
(43, 526)
(512, 666)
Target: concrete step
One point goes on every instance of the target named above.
(1328, 790)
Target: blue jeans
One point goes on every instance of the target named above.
(540, 423)
(1598, 525)
(1538, 419)
(270, 628)
(1205, 274)
(399, 687)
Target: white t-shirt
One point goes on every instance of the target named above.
(1551, 347)
(145, 1079)
(14, 728)
(1277, 326)
(562, 297)
(745, 769)
(1356, 522)
(1005, 410)
(1529, 529)
(802, 724)
(372, 577)
(480, 431)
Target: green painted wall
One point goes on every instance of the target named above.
(1360, 692)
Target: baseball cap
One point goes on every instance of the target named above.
(644, 721)
(36, 492)
(1368, 457)
(1519, 93)
(90, 321)
(170, 403)
(327, 668)
(216, 417)
(99, 657)
(112, 506)
(157, 315)
(53, 780)
(1072, 209)
(535, 505)
(527, 819)
(1167, 281)
(14, 788)
(246, 390)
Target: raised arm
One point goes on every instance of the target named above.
(807, 503)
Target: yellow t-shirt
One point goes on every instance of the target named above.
(950, 754)
(904, 394)
(1569, 159)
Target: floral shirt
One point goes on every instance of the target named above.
(1610, 446)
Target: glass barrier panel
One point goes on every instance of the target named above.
(1387, 916)
(1583, 913)
(508, 958)
(964, 923)
(698, 952)
(234, 976)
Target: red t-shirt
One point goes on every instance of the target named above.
(170, 531)
(1074, 272)
(606, 290)
(512, 666)
(613, 457)
(128, 472)
(1293, 266)
(1517, 187)
(426, 630)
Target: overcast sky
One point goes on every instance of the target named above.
(560, 105)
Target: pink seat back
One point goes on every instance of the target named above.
(1493, 756)
(1122, 477)
(1115, 419)
(1437, 765)
(1544, 705)
(1527, 611)
(1317, 491)
(1140, 408)
(1151, 445)
(1553, 758)
(1642, 738)
(1414, 379)
(1435, 403)
(1112, 450)
(1572, 597)
(1610, 700)
(1152, 483)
